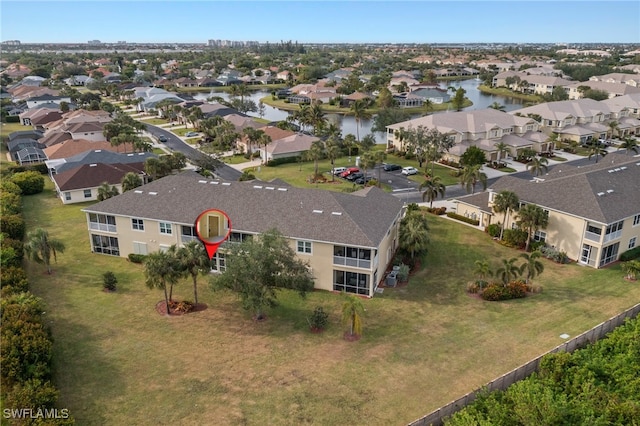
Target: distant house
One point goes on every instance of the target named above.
(289, 146)
(26, 151)
(229, 77)
(78, 80)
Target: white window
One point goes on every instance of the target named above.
(540, 236)
(165, 228)
(304, 247)
(140, 248)
(636, 220)
(137, 224)
(632, 242)
(87, 193)
(67, 196)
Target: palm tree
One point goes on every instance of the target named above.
(497, 106)
(629, 144)
(333, 151)
(316, 118)
(193, 260)
(613, 126)
(130, 181)
(538, 165)
(504, 201)
(531, 218)
(379, 157)
(502, 148)
(315, 153)
(349, 142)
(40, 247)
(432, 188)
(352, 312)
(482, 270)
(161, 268)
(471, 176)
(532, 266)
(413, 234)
(508, 270)
(359, 109)
(401, 135)
(106, 191)
(367, 161)
(597, 150)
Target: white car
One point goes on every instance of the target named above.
(408, 171)
(191, 134)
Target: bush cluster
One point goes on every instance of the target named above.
(496, 291)
(515, 238)
(555, 255)
(136, 258)
(286, 160)
(632, 254)
(461, 218)
(493, 230)
(318, 319)
(437, 210)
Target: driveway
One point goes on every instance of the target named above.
(174, 143)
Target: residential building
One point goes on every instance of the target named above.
(593, 210)
(348, 240)
(612, 89)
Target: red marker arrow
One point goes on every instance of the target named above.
(213, 227)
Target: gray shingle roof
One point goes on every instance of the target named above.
(102, 157)
(360, 218)
(605, 192)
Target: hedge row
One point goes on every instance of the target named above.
(461, 218)
(632, 254)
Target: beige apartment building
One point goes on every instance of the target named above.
(348, 240)
(594, 210)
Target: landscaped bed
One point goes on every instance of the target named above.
(116, 361)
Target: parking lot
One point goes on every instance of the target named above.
(395, 179)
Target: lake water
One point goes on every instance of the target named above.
(348, 123)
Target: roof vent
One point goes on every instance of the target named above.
(202, 181)
(600, 194)
(98, 150)
(129, 155)
(623, 168)
(214, 182)
(609, 191)
(93, 165)
(269, 187)
(153, 193)
(257, 186)
(336, 213)
(317, 211)
(617, 169)
(611, 171)
(137, 191)
(282, 189)
(226, 183)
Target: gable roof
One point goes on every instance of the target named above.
(72, 147)
(603, 192)
(360, 218)
(105, 157)
(93, 175)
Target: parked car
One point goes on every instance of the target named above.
(349, 171)
(337, 170)
(390, 167)
(363, 180)
(162, 138)
(191, 134)
(408, 171)
(354, 176)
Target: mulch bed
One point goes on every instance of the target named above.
(351, 337)
(161, 308)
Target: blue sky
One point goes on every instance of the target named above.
(327, 21)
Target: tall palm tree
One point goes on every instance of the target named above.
(130, 181)
(352, 312)
(39, 247)
(317, 118)
(349, 142)
(502, 148)
(532, 266)
(367, 161)
(315, 153)
(505, 201)
(161, 269)
(629, 144)
(413, 234)
(597, 150)
(432, 188)
(532, 217)
(106, 191)
(359, 109)
(538, 165)
(193, 260)
(379, 157)
(508, 271)
(333, 151)
(471, 176)
(613, 126)
(401, 135)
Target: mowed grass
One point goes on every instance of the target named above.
(116, 361)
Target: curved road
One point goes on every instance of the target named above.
(174, 143)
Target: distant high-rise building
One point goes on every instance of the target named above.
(11, 43)
(94, 42)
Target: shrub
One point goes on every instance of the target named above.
(246, 175)
(493, 230)
(403, 272)
(515, 238)
(496, 291)
(461, 218)
(32, 394)
(109, 281)
(632, 254)
(437, 210)
(29, 182)
(537, 245)
(318, 319)
(13, 280)
(136, 258)
(10, 203)
(12, 225)
(476, 286)
(286, 160)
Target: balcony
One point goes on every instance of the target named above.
(350, 261)
(102, 227)
(592, 236)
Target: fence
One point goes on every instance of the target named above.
(503, 382)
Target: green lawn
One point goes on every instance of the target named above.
(154, 121)
(116, 361)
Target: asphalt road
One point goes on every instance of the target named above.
(174, 143)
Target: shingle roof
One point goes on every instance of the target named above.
(604, 192)
(105, 157)
(361, 218)
(72, 147)
(93, 175)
